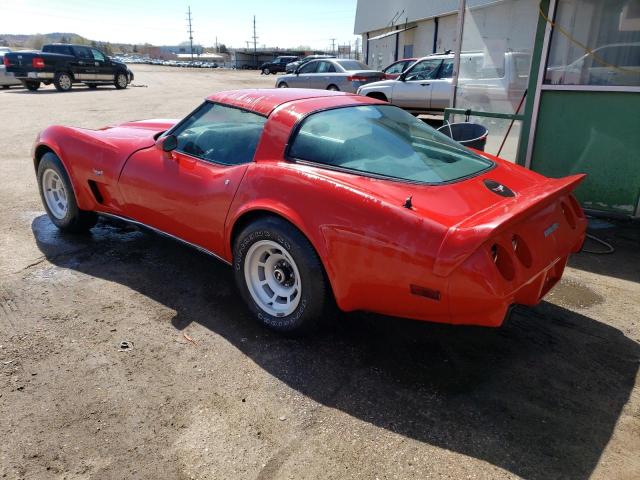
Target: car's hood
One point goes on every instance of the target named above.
(130, 136)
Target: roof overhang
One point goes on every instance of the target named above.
(392, 32)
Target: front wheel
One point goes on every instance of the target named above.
(280, 276)
(62, 81)
(121, 81)
(283, 85)
(333, 88)
(59, 199)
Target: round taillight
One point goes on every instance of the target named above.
(568, 215)
(521, 250)
(503, 262)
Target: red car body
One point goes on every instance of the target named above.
(461, 253)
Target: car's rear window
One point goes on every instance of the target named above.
(352, 65)
(383, 140)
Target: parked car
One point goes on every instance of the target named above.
(616, 64)
(6, 79)
(394, 70)
(293, 66)
(412, 223)
(330, 74)
(425, 87)
(279, 64)
(65, 64)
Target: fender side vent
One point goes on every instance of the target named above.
(96, 191)
(425, 292)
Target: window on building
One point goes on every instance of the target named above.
(610, 31)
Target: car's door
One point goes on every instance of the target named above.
(305, 75)
(441, 86)
(104, 68)
(187, 192)
(83, 67)
(325, 75)
(414, 92)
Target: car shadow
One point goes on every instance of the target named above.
(47, 91)
(539, 397)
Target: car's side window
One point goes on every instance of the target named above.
(220, 134)
(309, 67)
(97, 55)
(326, 67)
(83, 52)
(395, 68)
(424, 70)
(446, 71)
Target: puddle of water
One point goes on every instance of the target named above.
(574, 294)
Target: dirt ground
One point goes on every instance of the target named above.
(552, 394)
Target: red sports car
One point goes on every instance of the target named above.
(315, 197)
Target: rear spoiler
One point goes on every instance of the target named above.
(463, 239)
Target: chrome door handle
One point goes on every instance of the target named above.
(425, 84)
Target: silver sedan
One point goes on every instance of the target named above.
(331, 74)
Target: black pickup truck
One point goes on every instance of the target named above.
(64, 64)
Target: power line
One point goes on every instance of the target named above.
(190, 31)
(255, 41)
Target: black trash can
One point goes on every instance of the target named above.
(468, 134)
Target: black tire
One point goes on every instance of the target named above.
(63, 81)
(6, 87)
(32, 86)
(266, 71)
(121, 81)
(314, 307)
(283, 85)
(333, 88)
(75, 220)
(92, 86)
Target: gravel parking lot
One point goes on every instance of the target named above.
(203, 392)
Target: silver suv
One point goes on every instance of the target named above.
(483, 83)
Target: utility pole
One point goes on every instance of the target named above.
(333, 45)
(255, 44)
(190, 31)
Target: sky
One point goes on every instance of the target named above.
(279, 23)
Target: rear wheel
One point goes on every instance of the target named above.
(63, 81)
(121, 81)
(283, 85)
(33, 86)
(281, 277)
(59, 199)
(333, 88)
(266, 71)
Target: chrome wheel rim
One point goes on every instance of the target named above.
(273, 278)
(122, 80)
(55, 194)
(65, 82)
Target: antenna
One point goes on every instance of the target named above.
(190, 31)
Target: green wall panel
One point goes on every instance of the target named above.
(597, 133)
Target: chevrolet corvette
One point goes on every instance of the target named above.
(320, 199)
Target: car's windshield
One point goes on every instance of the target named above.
(383, 140)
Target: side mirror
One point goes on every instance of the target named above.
(168, 143)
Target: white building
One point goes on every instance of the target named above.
(397, 29)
